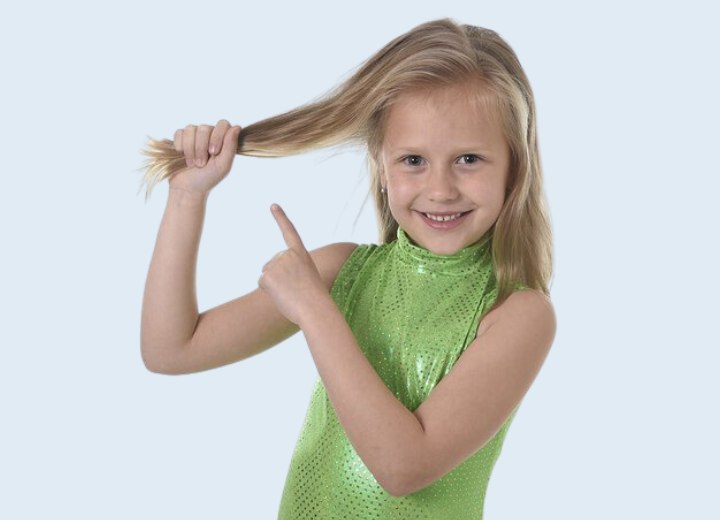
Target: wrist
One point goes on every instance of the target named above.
(183, 197)
(318, 312)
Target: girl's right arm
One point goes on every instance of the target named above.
(175, 337)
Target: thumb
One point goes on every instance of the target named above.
(230, 141)
(229, 147)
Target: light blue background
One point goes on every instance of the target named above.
(620, 423)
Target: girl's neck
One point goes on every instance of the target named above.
(469, 259)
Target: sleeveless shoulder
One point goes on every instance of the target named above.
(349, 272)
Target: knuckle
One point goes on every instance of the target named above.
(177, 141)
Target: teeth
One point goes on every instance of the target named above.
(442, 218)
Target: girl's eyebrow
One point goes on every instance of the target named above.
(404, 149)
(458, 150)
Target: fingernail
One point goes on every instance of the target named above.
(198, 162)
(212, 149)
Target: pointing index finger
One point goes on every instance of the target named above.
(290, 234)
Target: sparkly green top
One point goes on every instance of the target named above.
(413, 313)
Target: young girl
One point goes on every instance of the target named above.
(425, 344)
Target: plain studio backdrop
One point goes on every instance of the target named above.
(620, 423)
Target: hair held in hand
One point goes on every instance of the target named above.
(433, 55)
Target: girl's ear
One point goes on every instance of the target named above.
(379, 170)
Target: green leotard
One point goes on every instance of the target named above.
(413, 313)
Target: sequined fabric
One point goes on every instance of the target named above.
(413, 313)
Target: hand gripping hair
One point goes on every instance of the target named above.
(436, 54)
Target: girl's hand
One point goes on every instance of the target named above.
(291, 278)
(209, 152)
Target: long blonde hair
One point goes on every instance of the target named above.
(432, 55)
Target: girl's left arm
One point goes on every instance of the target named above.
(407, 451)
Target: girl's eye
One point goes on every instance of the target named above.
(469, 158)
(412, 160)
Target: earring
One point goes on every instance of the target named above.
(382, 190)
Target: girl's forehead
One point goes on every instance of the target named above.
(448, 112)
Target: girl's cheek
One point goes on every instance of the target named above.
(398, 192)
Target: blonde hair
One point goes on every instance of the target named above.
(433, 55)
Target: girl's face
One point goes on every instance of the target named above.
(445, 167)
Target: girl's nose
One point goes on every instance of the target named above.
(441, 185)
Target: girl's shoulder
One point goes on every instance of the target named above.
(344, 260)
(330, 259)
(522, 304)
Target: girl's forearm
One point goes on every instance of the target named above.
(385, 434)
(170, 310)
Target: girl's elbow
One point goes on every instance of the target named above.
(395, 489)
(397, 492)
(154, 366)
(399, 482)
(158, 364)
(399, 488)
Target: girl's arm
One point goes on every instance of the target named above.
(407, 451)
(175, 337)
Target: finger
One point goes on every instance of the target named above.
(290, 234)
(216, 139)
(202, 139)
(177, 141)
(188, 144)
(229, 148)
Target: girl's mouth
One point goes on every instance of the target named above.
(444, 220)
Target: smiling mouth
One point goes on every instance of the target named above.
(445, 217)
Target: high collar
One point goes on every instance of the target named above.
(471, 259)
